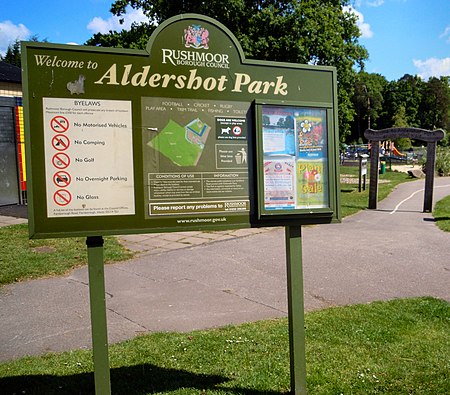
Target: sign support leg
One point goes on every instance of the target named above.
(373, 185)
(296, 314)
(98, 315)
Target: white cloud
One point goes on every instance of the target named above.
(9, 33)
(432, 67)
(364, 28)
(375, 3)
(100, 25)
(446, 34)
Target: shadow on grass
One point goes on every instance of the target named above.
(130, 380)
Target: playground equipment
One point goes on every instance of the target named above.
(388, 147)
(395, 151)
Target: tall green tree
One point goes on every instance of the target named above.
(368, 102)
(399, 120)
(435, 104)
(316, 32)
(12, 54)
(406, 92)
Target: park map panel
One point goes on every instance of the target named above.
(195, 157)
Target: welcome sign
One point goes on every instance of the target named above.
(166, 139)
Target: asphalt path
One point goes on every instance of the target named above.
(396, 251)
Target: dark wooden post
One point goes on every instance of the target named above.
(429, 177)
(373, 186)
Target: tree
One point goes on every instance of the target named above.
(12, 54)
(406, 92)
(399, 120)
(435, 104)
(135, 38)
(368, 102)
(309, 31)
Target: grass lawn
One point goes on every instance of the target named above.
(22, 258)
(441, 214)
(395, 347)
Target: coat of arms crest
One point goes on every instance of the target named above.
(196, 37)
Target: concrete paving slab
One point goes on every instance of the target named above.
(7, 221)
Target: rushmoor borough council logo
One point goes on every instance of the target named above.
(196, 37)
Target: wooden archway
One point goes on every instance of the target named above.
(430, 137)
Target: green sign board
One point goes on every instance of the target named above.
(181, 136)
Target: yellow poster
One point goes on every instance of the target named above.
(311, 184)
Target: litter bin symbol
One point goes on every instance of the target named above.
(241, 157)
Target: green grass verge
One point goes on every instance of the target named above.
(441, 214)
(395, 347)
(22, 258)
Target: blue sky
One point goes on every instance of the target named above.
(402, 36)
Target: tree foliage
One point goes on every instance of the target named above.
(408, 102)
(368, 102)
(309, 31)
(406, 92)
(135, 38)
(12, 54)
(435, 104)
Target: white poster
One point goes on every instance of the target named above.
(279, 182)
(88, 157)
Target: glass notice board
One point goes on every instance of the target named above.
(293, 146)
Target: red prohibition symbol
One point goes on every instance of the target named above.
(62, 197)
(59, 124)
(61, 160)
(62, 179)
(60, 142)
(237, 130)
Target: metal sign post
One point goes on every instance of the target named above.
(296, 313)
(98, 315)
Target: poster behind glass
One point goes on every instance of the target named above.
(294, 143)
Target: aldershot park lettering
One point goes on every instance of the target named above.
(192, 81)
(142, 77)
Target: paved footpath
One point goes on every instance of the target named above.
(187, 281)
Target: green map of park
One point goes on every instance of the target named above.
(183, 145)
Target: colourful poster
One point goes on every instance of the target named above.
(279, 182)
(311, 131)
(278, 131)
(312, 184)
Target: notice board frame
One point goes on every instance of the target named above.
(294, 213)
